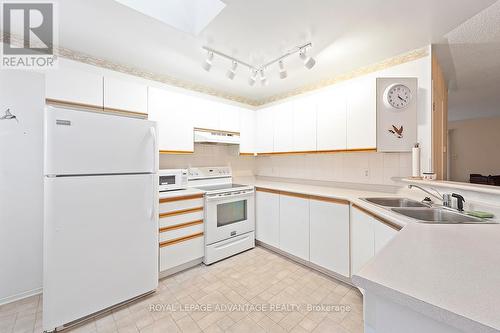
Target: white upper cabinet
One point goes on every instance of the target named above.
(331, 118)
(294, 226)
(304, 124)
(229, 117)
(126, 95)
(362, 113)
(175, 127)
(283, 127)
(247, 130)
(74, 86)
(205, 113)
(329, 235)
(265, 130)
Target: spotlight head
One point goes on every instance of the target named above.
(309, 62)
(263, 79)
(208, 62)
(283, 73)
(232, 72)
(252, 78)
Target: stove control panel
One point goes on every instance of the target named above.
(209, 172)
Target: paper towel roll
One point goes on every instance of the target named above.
(415, 159)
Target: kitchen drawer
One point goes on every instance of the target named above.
(182, 252)
(180, 232)
(181, 218)
(166, 207)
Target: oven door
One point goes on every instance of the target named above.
(229, 215)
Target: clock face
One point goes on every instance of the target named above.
(398, 96)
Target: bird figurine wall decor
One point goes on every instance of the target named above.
(398, 132)
(8, 115)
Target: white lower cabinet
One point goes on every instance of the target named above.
(267, 228)
(329, 235)
(294, 225)
(362, 239)
(368, 236)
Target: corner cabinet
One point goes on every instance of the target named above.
(369, 234)
(329, 234)
(265, 130)
(175, 127)
(247, 131)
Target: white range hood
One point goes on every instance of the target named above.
(202, 135)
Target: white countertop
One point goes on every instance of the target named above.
(448, 272)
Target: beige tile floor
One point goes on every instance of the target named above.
(260, 282)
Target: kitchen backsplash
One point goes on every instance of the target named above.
(365, 168)
(212, 155)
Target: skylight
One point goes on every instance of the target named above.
(191, 16)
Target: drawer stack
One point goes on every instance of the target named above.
(181, 230)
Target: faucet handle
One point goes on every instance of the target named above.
(447, 200)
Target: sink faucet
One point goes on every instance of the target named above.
(446, 199)
(439, 197)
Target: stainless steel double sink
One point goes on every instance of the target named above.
(424, 213)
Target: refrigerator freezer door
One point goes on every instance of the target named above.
(100, 243)
(83, 143)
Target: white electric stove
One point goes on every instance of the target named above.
(229, 212)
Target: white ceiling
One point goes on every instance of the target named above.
(470, 56)
(345, 35)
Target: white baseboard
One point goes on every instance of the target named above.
(17, 297)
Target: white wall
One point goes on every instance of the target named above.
(473, 148)
(21, 184)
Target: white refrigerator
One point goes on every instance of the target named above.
(100, 213)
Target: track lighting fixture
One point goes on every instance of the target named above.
(208, 62)
(283, 73)
(309, 63)
(263, 79)
(252, 78)
(232, 72)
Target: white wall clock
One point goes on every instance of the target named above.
(397, 96)
(396, 113)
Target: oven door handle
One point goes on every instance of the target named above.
(246, 194)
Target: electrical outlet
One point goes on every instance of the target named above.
(367, 173)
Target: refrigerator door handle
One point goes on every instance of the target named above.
(152, 131)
